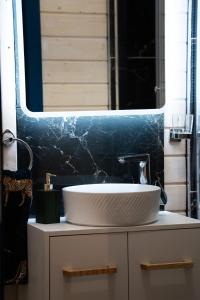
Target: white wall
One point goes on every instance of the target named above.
(175, 84)
(7, 80)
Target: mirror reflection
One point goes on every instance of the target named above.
(93, 54)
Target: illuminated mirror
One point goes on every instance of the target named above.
(94, 54)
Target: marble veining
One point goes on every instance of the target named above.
(85, 149)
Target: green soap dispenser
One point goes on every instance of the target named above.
(48, 203)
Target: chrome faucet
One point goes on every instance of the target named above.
(144, 165)
(143, 172)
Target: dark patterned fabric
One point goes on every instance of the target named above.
(17, 196)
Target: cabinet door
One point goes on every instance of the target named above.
(170, 279)
(81, 254)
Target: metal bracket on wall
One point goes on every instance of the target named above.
(182, 125)
(176, 135)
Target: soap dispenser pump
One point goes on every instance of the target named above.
(48, 186)
(48, 203)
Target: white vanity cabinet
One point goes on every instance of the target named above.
(103, 256)
(164, 265)
(159, 261)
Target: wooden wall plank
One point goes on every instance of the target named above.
(175, 169)
(74, 48)
(75, 108)
(74, 72)
(176, 197)
(74, 6)
(73, 25)
(75, 94)
(173, 148)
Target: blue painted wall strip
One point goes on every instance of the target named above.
(32, 49)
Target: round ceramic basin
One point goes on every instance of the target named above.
(111, 204)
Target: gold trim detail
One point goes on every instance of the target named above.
(67, 271)
(185, 264)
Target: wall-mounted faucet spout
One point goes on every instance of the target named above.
(143, 172)
(144, 165)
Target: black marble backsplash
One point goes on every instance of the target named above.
(85, 149)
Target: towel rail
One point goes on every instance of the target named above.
(10, 139)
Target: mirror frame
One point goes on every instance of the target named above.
(21, 81)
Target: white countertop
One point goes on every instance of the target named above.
(166, 220)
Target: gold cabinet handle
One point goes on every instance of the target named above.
(167, 265)
(89, 271)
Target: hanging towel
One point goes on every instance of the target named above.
(17, 197)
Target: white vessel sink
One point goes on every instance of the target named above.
(111, 204)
